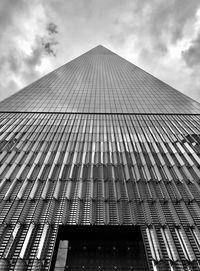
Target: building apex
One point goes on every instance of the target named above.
(100, 49)
(100, 81)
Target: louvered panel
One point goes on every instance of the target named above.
(13, 190)
(99, 212)
(65, 172)
(49, 245)
(192, 235)
(127, 175)
(194, 171)
(170, 217)
(153, 240)
(50, 189)
(25, 189)
(4, 186)
(157, 191)
(3, 170)
(164, 191)
(17, 244)
(133, 192)
(59, 189)
(27, 241)
(137, 212)
(185, 245)
(37, 189)
(27, 213)
(41, 211)
(65, 213)
(144, 190)
(74, 212)
(14, 212)
(174, 214)
(53, 212)
(196, 236)
(3, 156)
(4, 229)
(170, 190)
(161, 215)
(70, 186)
(169, 244)
(112, 215)
(195, 190)
(187, 213)
(5, 208)
(31, 248)
(181, 213)
(147, 213)
(147, 246)
(124, 213)
(43, 242)
(157, 217)
(154, 190)
(163, 250)
(86, 212)
(177, 244)
(8, 241)
(194, 210)
(87, 190)
(182, 191)
(164, 173)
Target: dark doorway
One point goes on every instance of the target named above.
(105, 248)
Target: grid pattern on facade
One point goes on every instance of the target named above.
(100, 82)
(69, 169)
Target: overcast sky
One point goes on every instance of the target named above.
(162, 37)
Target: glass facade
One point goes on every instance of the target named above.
(99, 142)
(100, 82)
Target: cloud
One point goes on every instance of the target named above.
(192, 54)
(48, 42)
(48, 45)
(157, 25)
(28, 39)
(52, 28)
(152, 25)
(8, 8)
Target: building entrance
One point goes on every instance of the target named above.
(101, 248)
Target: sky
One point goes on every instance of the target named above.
(161, 37)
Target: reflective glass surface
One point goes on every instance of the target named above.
(100, 81)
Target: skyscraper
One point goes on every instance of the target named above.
(100, 169)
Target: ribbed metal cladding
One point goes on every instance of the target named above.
(83, 168)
